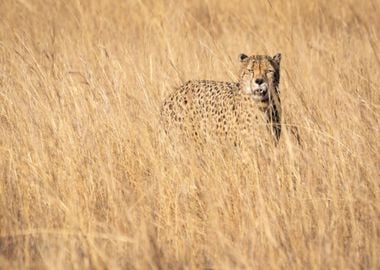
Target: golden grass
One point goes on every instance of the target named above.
(87, 183)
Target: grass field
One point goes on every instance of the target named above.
(86, 182)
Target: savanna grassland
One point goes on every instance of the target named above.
(87, 182)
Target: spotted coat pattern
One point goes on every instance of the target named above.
(235, 111)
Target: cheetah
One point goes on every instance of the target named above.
(230, 111)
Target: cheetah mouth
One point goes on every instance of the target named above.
(256, 91)
(260, 94)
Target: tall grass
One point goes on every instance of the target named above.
(86, 181)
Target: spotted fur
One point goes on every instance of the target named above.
(234, 111)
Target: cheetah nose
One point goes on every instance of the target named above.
(259, 81)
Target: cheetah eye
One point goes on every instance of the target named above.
(247, 72)
(269, 71)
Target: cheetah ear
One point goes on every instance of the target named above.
(243, 57)
(277, 58)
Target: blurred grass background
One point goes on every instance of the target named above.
(84, 181)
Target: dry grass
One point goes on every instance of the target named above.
(86, 184)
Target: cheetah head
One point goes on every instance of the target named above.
(260, 76)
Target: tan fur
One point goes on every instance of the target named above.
(225, 110)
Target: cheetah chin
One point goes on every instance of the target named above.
(258, 92)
